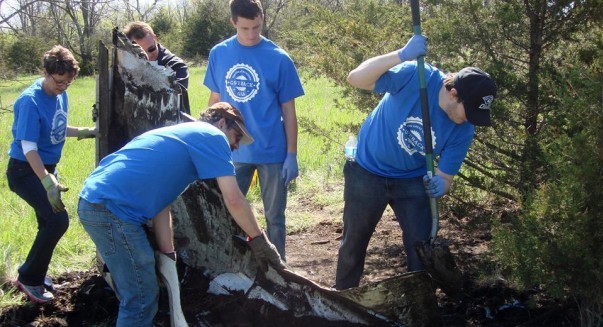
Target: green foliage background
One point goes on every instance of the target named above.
(207, 27)
(24, 54)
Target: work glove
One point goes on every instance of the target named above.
(86, 132)
(53, 192)
(435, 186)
(171, 255)
(265, 253)
(290, 170)
(166, 262)
(415, 47)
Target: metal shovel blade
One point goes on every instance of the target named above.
(439, 263)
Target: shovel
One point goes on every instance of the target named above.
(434, 255)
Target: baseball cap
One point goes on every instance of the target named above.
(477, 91)
(228, 111)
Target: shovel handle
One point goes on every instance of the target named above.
(433, 205)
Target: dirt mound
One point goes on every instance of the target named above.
(83, 298)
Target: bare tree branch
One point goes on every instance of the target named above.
(22, 7)
(139, 11)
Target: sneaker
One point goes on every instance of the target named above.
(49, 284)
(35, 293)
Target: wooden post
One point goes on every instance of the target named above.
(103, 102)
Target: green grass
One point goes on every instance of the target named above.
(316, 195)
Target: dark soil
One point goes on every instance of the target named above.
(83, 298)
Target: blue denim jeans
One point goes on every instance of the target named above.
(366, 196)
(51, 226)
(129, 256)
(274, 197)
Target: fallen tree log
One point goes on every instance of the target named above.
(208, 240)
(215, 263)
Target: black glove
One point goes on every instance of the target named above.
(265, 253)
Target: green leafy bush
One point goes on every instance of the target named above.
(24, 55)
(557, 240)
(206, 27)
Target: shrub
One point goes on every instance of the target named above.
(207, 26)
(557, 241)
(24, 55)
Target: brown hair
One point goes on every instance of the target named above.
(232, 116)
(221, 110)
(249, 9)
(449, 84)
(59, 60)
(138, 30)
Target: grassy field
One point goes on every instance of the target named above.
(319, 184)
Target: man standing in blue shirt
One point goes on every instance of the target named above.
(255, 75)
(138, 183)
(390, 166)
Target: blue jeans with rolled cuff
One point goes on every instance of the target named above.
(51, 226)
(130, 258)
(274, 197)
(366, 196)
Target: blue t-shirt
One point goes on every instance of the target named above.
(390, 141)
(138, 181)
(256, 80)
(42, 119)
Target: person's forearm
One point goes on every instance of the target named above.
(71, 131)
(213, 98)
(33, 157)
(237, 206)
(367, 73)
(243, 216)
(447, 178)
(290, 122)
(164, 233)
(81, 132)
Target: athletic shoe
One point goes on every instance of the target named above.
(35, 293)
(49, 284)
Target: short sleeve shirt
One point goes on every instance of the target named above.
(256, 80)
(138, 181)
(42, 119)
(391, 142)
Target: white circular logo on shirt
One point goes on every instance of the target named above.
(58, 129)
(242, 82)
(410, 136)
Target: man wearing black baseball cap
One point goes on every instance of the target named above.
(390, 165)
(138, 183)
(476, 90)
